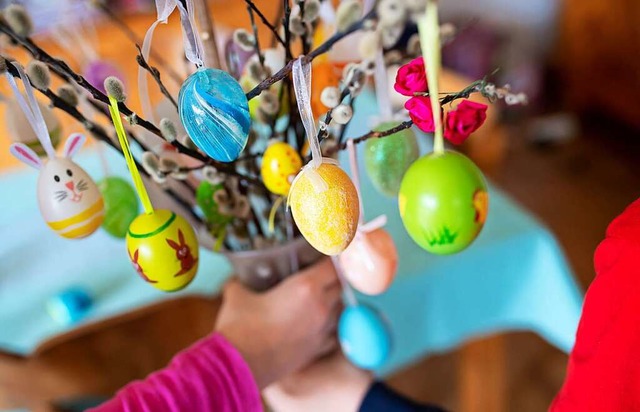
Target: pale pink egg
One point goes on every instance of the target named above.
(370, 262)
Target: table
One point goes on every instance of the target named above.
(513, 277)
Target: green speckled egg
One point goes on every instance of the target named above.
(120, 205)
(388, 158)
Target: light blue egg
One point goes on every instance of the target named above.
(70, 305)
(215, 113)
(364, 337)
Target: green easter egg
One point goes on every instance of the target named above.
(120, 205)
(443, 202)
(209, 206)
(388, 158)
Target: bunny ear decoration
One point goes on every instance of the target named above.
(31, 109)
(73, 144)
(23, 153)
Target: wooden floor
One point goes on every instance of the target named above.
(576, 189)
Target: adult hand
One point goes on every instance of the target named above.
(283, 329)
(329, 384)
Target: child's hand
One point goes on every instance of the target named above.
(285, 328)
(329, 384)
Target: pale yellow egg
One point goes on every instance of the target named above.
(325, 207)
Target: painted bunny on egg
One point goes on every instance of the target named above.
(69, 200)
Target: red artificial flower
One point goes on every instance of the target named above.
(464, 120)
(411, 78)
(419, 108)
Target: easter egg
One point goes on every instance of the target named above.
(215, 112)
(163, 249)
(324, 204)
(443, 202)
(370, 262)
(98, 70)
(70, 305)
(364, 337)
(120, 205)
(209, 207)
(280, 164)
(388, 158)
(69, 200)
(21, 131)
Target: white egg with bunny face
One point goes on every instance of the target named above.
(69, 200)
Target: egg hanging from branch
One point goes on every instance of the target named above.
(388, 158)
(215, 113)
(280, 164)
(120, 205)
(69, 200)
(443, 202)
(325, 207)
(163, 249)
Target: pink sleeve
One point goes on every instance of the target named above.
(209, 376)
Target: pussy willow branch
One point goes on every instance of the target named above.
(251, 5)
(156, 76)
(323, 48)
(99, 133)
(137, 40)
(62, 69)
(323, 132)
(474, 87)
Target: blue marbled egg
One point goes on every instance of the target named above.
(215, 112)
(364, 337)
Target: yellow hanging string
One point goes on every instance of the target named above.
(131, 164)
(272, 213)
(429, 31)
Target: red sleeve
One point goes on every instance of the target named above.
(604, 366)
(210, 376)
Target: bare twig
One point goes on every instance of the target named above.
(251, 5)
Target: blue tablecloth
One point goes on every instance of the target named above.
(514, 277)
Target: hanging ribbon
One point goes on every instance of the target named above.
(382, 88)
(429, 31)
(131, 163)
(302, 88)
(349, 294)
(164, 9)
(193, 48)
(372, 225)
(31, 109)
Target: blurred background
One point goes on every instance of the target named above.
(570, 157)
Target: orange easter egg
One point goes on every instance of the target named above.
(280, 164)
(324, 204)
(370, 262)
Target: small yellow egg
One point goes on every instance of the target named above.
(325, 206)
(280, 164)
(163, 249)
